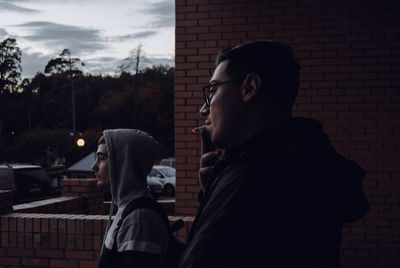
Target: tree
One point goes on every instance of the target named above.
(36, 119)
(134, 60)
(10, 72)
(64, 63)
(10, 64)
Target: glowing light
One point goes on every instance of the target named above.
(80, 142)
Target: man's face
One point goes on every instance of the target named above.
(222, 117)
(101, 168)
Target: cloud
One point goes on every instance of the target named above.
(3, 32)
(164, 12)
(143, 34)
(139, 35)
(7, 7)
(33, 63)
(60, 36)
(102, 65)
(158, 61)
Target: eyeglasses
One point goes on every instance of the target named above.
(210, 89)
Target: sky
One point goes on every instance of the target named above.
(99, 32)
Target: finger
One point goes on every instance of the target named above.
(204, 174)
(209, 159)
(206, 144)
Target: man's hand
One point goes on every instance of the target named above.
(209, 156)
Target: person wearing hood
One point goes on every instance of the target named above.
(124, 159)
(275, 193)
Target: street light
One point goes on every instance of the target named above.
(80, 142)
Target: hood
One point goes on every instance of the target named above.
(131, 155)
(329, 181)
(333, 181)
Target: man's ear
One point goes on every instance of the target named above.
(250, 86)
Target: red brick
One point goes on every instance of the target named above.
(4, 223)
(88, 242)
(64, 263)
(44, 222)
(213, 7)
(4, 239)
(198, 73)
(188, 23)
(61, 239)
(12, 239)
(20, 224)
(12, 224)
(28, 225)
(324, 84)
(20, 239)
(62, 226)
(80, 242)
(70, 240)
(78, 254)
(50, 253)
(34, 262)
(186, 37)
(69, 182)
(70, 226)
(234, 20)
(97, 242)
(9, 261)
(18, 252)
(97, 226)
(28, 238)
(88, 264)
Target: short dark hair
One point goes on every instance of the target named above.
(275, 63)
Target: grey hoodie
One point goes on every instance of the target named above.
(131, 155)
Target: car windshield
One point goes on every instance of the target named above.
(37, 174)
(169, 172)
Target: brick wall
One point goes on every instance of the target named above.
(49, 240)
(349, 51)
(86, 188)
(59, 205)
(45, 240)
(79, 196)
(39, 235)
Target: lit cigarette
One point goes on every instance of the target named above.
(197, 129)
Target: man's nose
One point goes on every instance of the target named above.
(94, 166)
(204, 110)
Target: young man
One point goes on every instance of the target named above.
(124, 158)
(280, 194)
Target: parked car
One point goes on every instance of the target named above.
(30, 182)
(169, 162)
(155, 187)
(166, 175)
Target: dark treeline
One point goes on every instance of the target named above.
(36, 122)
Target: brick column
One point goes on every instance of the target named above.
(86, 188)
(6, 201)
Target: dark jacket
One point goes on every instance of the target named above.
(279, 200)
